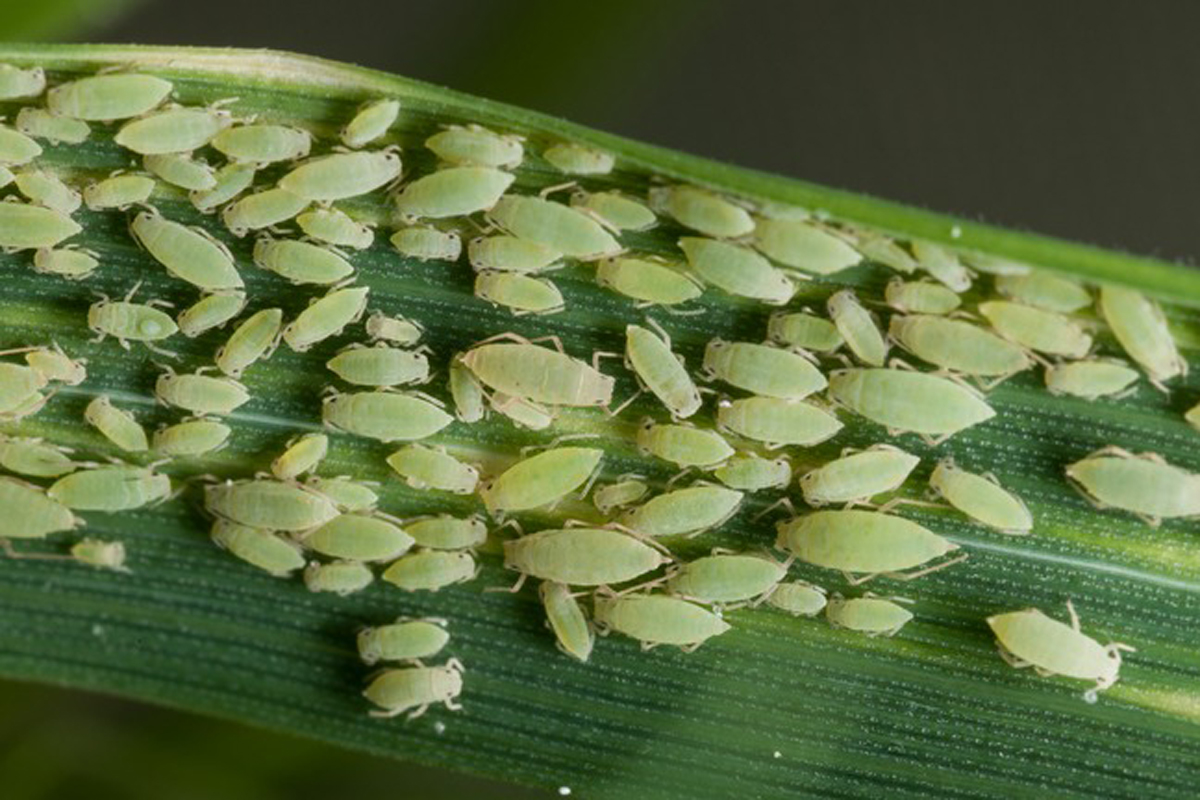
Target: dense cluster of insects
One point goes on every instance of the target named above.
(615, 571)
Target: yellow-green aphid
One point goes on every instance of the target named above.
(259, 145)
(1140, 327)
(126, 321)
(41, 124)
(335, 227)
(119, 191)
(565, 617)
(53, 364)
(385, 416)
(338, 577)
(995, 265)
(867, 542)
(249, 342)
(474, 145)
(655, 619)
(610, 497)
(16, 83)
(26, 226)
(269, 504)
(1044, 290)
(190, 254)
(103, 98)
(346, 493)
(173, 130)
(1029, 638)
(1193, 416)
(776, 422)
(683, 445)
(359, 537)
(1037, 329)
(762, 369)
(262, 210)
(210, 311)
(858, 327)
(883, 250)
(371, 122)
(231, 180)
(874, 616)
(539, 374)
(920, 297)
(326, 317)
(582, 556)
(193, 437)
(554, 225)
(264, 549)
(67, 262)
(429, 468)
(29, 513)
(942, 265)
(397, 330)
(661, 371)
(703, 211)
(1144, 484)
(18, 383)
(958, 346)
(35, 458)
(380, 365)
(301, 262)
(648, 282)
(426, 243)
(684, 511)
(454, 192)
(403, 640)
(804, 245)
(431, 570)
(47, 189)
(467, 393)
(540, 480)
(111, 488)
(118, 426)
(751, 473)
(179, 169)
(617, 210)
(726, 578)
(200, 394)
(1090, 379)
(981, 498)
(510, 254)
(342, 175)
(31, 404)
(798, 598)
(737, 270)
(16, 148)
(303, 454)
(576, 159)
(100, 554)
(804, 330)
(444, 532)
(522, 412)
(858, 477)
(416, 688)
(909, 402)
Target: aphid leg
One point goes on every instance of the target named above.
(516, 587)
(935, 441)
(596, 356)
(679, 312)
(418, 711)
(908, 576)
(678, 475)
(552, 339)
(558, 187)
(1074, 616)
(508, 336)
(908, 501)
(16, 350)
(451, 704)
(154, 349)
(1012, 660)
(614, 412)
(385, 714)
(783, 502)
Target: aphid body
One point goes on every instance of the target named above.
(103, 98)
(474, 145)
(726, 578)
(338, 577)
(804, 330)
(100, 554)
(554, 225)
(541, 479)
(264, 549)
(180, 169)
(269, 504)
(117, 425)
(358, 537)
(661, 371)
(1090, 379)
(118, 191)
(957, 345)
(326, 317)
(303, 454)
(762, 369)
(858, 328)
(47, 189)
(250, 341)
(30, 513)
(648, 282)
(920, 297)
(263, 143)
(510, 254)
(658, 619)
(908, 401)
(379, 365)
(342, 175)
(538, 374)
(858, 477)
(127, 321)
(67, 262)
(335, 227)
(210, 311)
(403, 640)
(228, 182)
(802, 245)
(617, 210)
(262, 210)
(201, 394)
(187, 253)
(111, 488)
(1140, 327)
(414, 689)
(346, 494)
(776, 422)
(454, 192)
(428, 468)
(521, 294)
(567, 620)
(193, 437)
(385, 416)
(426, 243)
(798, 598)
(703, 211)
(581, 556)
(371, 122)
(692, 510)
(35, 458)
(737, 270)
(751, 473)
(853, 541)
(1037, 328)
(683, 444)
(301, 262)
(444, 532)
(1044, 290)
(576, 159)
(1144, 484)
(174, 130)
(943, 265)
(616, 495)
(24, 226)
(16, 82)
(874, 616)
(982, 499)
(431, 570)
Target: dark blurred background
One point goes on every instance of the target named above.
(1077, 119)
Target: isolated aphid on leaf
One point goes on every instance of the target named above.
(432, 468)
(117, 425)
(414, 689)
(103, 98)
(193, 437)
(874, 616)
(173, 130)
(403, 640)
(262, 144)
(200, 394)
(703, 211)
(431, 570)
(655, 619)
(660, 371)
(269, 504)
(113, 487)
(100, 554)
(342, 175)
(426, 243)
(41, 124)
(301, 262)
(210, 311)
(776, 422)
(762, 369)
(303, 454)
(261, 548)
(474, 145)
(371, 122)
(384, 416)
(180, 169)
(981, 498)
(338, 577)
(254, 338)
(325, 317)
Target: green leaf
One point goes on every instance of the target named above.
(776, 707)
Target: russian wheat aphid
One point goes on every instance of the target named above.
(117, 425)
(737, 270)
(804, 330)
(402, 640)
(858, 327)
(67, 262)
(111, 488)
(229, 182)
(16, 148)
(269, 504)
(920, 297)
(35, 458)
(776, 422)
(379, 365)
(415, 689)
(510, 254)
(41, 124)
(342, 175)
(691, 511)
(303, 454)
(18, 383)
(1044, 290)
(301, 262)
(190, 254)
(426, 243)
(804, 245)
(1140, 327)
(1144, 484)
(429, 468)
(884, 250)
(798, 598)
(325, 317)
(648, 282)
(47, 189)
(103, 98)
(703, 211)
(262, 210)
(25, 226)
(540, 480)
(371, 122)
(335, 227)
(874, 616)
(358, 537)
(467, 393)
(179, 169)
(30, 513)
(54, 364)
(338, 577)
(996, 265)
(210, 311)
(249, 342)
(684, 445)
(100, 554)
(577, 159)
(617, 495)
(118, 191)
(958, 346)
(655, 619)
(617, 210)
(474, 145)
(173, 130)
(660, 370)
(454, 192)
(397, 330)
(522, 412)
(194, 437)
(126, 321)
(554, 225)
(1090, 379)
(751, 473)
(1037, 329)
(444, 532)
(582, 556)
(943, 265)
(16, 82)
(523, 369)
(909, 402)
(200, 394)
(726, 578)
(261, 548)
(383, 415)
(431, 570)
(262, 144)
(347, 494)
(565, 617)
(858, 477)
(521, 294)
(981, 498)
(762, 369)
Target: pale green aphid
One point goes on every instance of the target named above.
(326, 317)
(303, 454)
(428, 468)
(655, 619)
(510, 254)
(776, 422)
(35, 458)
(431, 570)
(858, 477)
(342, 175)
(582, 556)
(554, 225)
(617, 495)
(40, 123)
(474, 145)
(359, 537)
(540, 480)
(16, 83)
(335, 227)
(190, 254)
(726, 578)
(648, 282)
(762, 369)
(576, 159)
(100, 554)
(981, 498)
(249, 342)
(804, 330)
(29, 513)
(103, 98)
(264, 549)
(1044, 290)
(920, 297)
(1140, 327)
(661, 371)
(617, 210)
(231, 180)
(1037, 329)
(522, 412)
(909, 402)
(417, 688)
(426, 243)
(111, 488)
(958, 346)
(565, 617)
(393, 329)
(703, 211)
(1144, 484)
(996, 265)
(262, 210)
(24, 226)
(884, 250)
(269, 504)
(444, 532)
(737, 270)
(54, 364)
(263, 144)
(346, 494)
(751, 473)
(119, 191)
(210, 311)
(385, 416)
(117, 425)
(194, 437)
(29, 405)
(467, 393)
(798, 598)
(874, 616)
(868, 542)
(379, 365)
(1193, 416)
(454, 192)
(339, 577)
(520, 294)
(943, 265)
(174, 130)
(683, 445)
(126, 321)
(6, 176)
(371, 122)
(1090, 379)
(47, 189)
(858, 327)
(16, 148)
(684, 511)
(804, 245)
(17, 384)
(67, 262)
(179, 169)
(301, 262)
(200, 394)
(403, 640)
(538, 374)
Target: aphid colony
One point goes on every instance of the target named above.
(773, 397)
